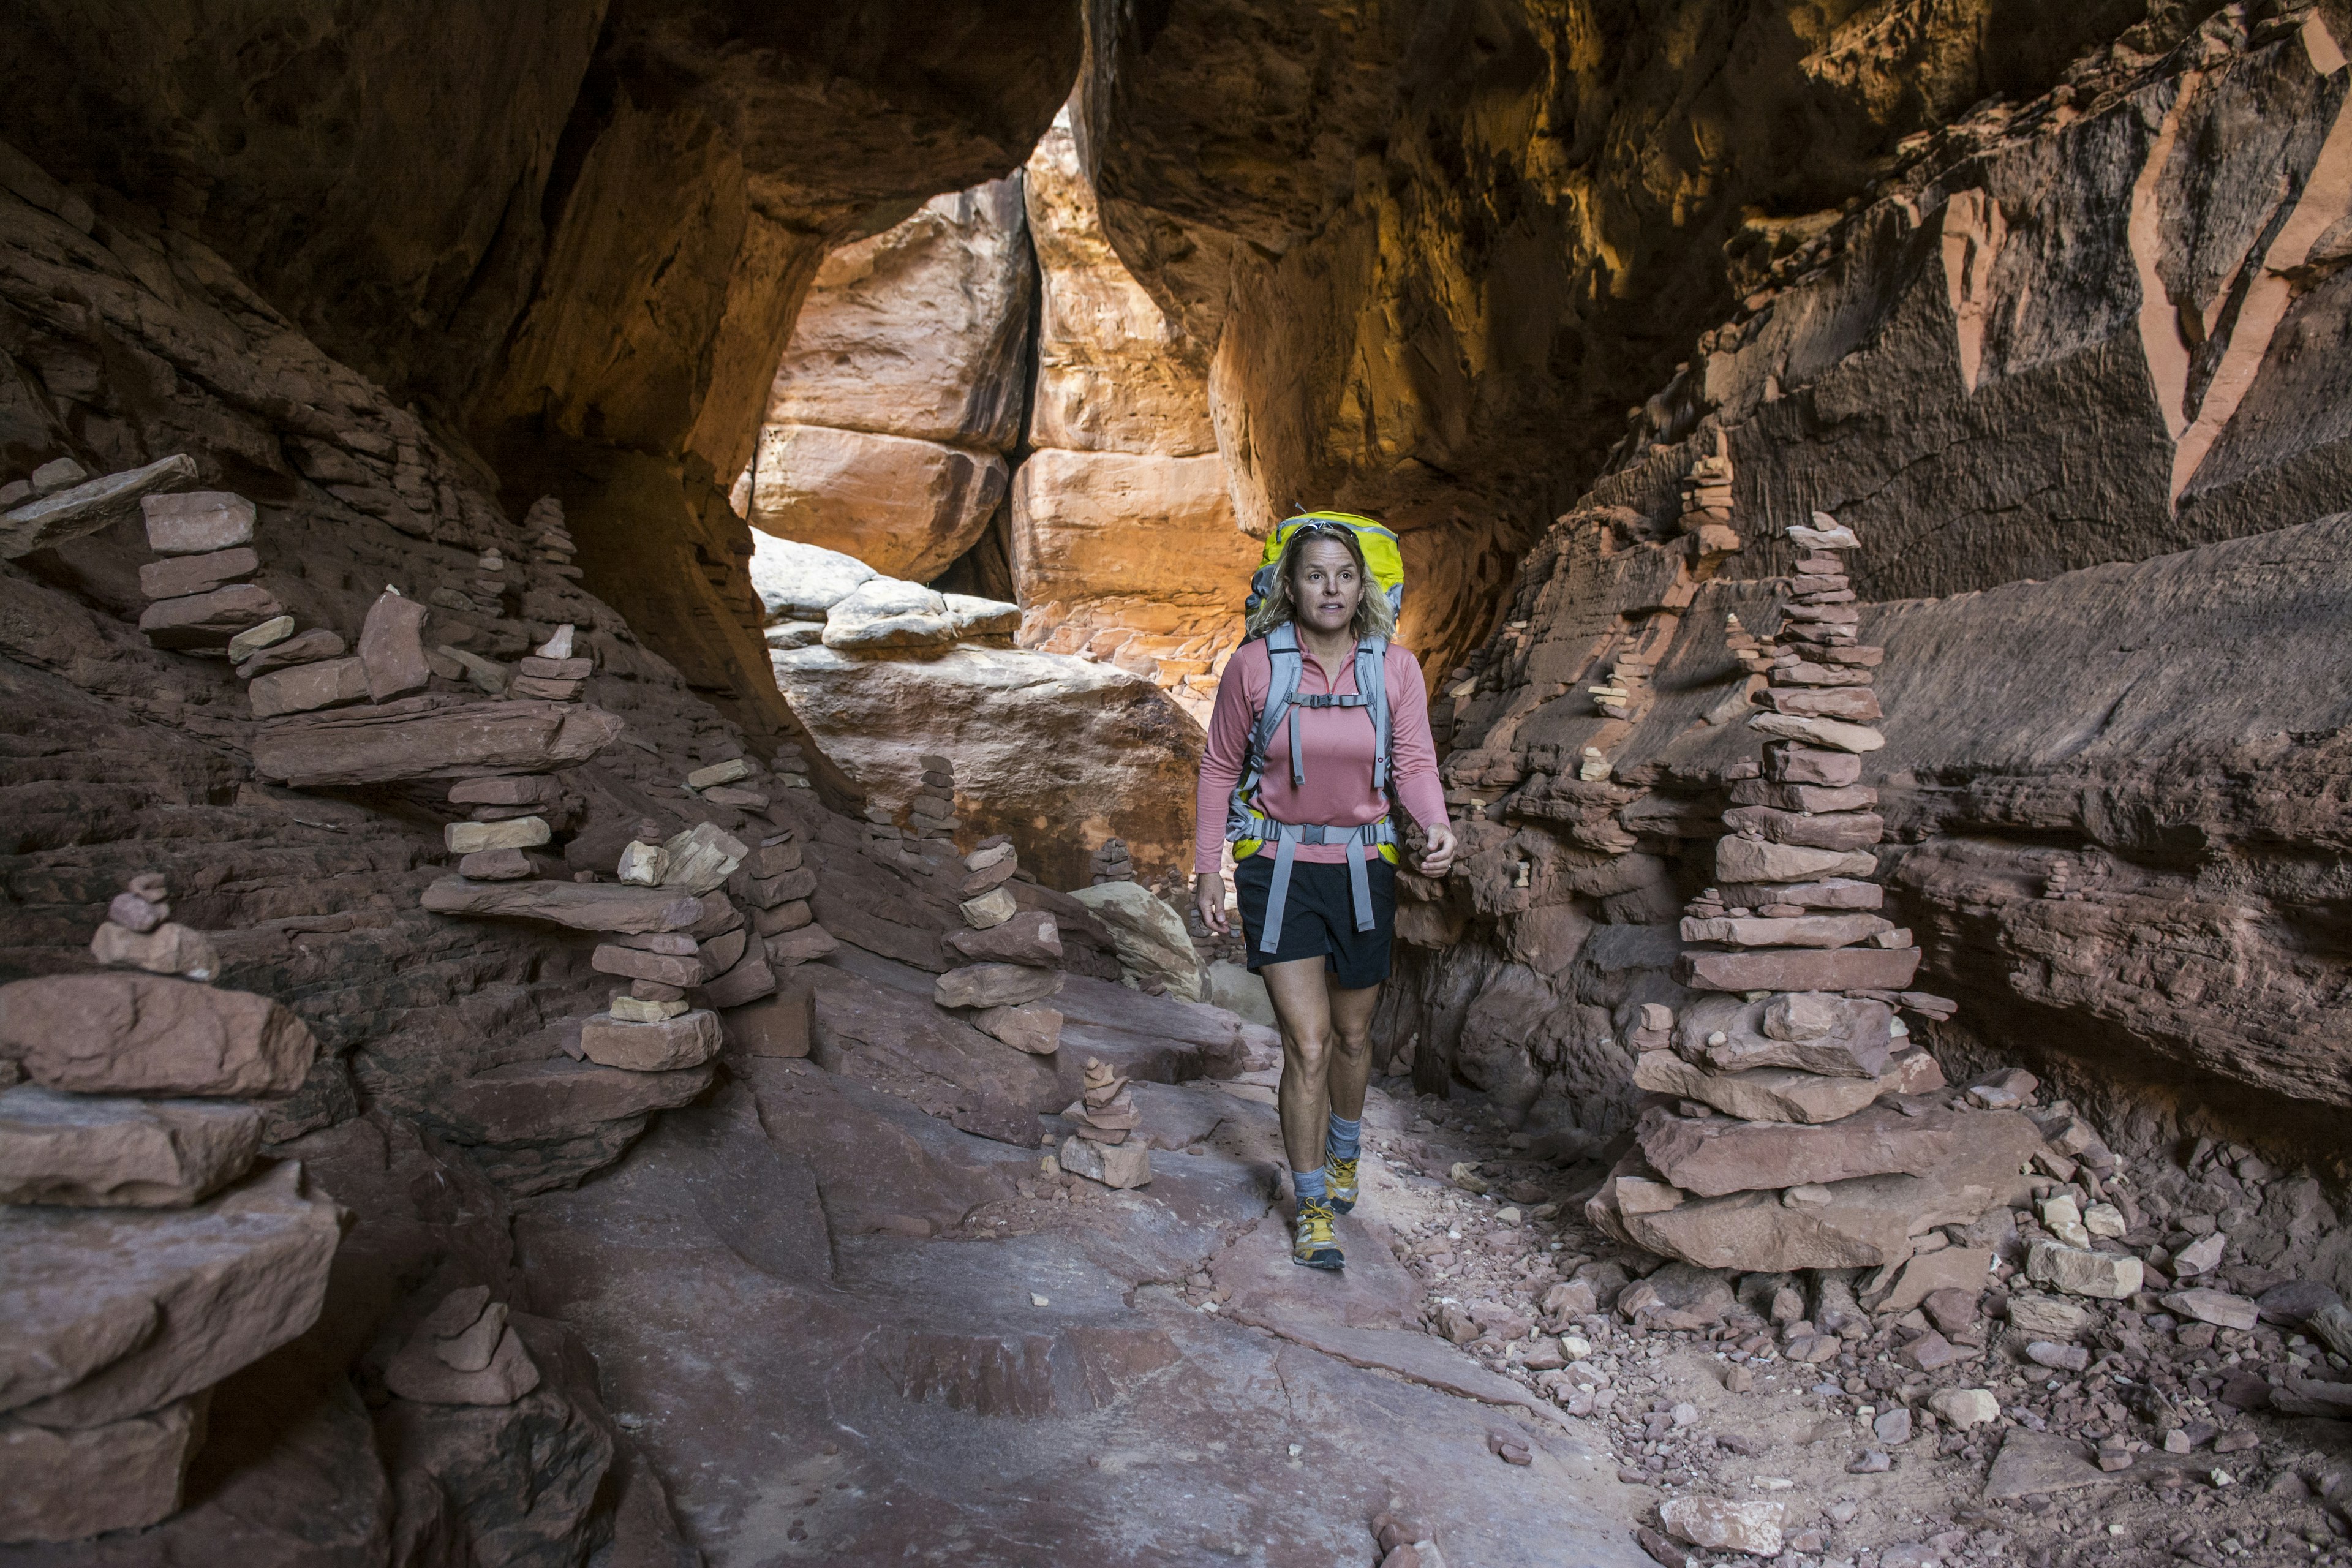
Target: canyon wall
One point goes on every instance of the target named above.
(2072, 372)
(576, 238)
(1432, 253)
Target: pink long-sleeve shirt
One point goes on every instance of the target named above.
(1339, 745)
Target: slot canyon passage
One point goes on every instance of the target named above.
(607, 617)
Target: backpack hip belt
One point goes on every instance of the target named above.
(1245, 824)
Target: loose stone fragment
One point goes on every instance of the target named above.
(2082, 1273)
(1033, 1028)
(1114, 1166)
(991, 909)
(178, 575)
(2216, 1307)
(515, 833)
(269, 634)
(686, 1041)
(197, 521)
(170, 949)
(1964, 1407)
(1720, 1524)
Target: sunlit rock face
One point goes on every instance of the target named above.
(2069, 373)
(1123, 543)
(901, 389)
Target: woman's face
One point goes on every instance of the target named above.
(1326, 585)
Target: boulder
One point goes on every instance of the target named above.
(430, 737)
(141, 1034)
(885, 615)
(799, 582)
(686, 1041)
(994, 985)
(917, 331)
(1152, 944)
(1712, 1156)
(66, 1483)
(1047, 748)
(904, 506)
(1784, 1094)
(1752, 1525)
(87, 1150)
(106, 1314)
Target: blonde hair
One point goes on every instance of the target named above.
(1374, 617)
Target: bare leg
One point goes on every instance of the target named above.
(1327, 1053)
(1302, 1005)
(1351, 1048)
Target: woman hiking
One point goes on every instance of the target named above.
(1319, 719)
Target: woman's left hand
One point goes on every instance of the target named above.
(1437, 854)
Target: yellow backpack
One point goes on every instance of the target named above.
(1383, 558)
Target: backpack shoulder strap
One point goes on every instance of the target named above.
(1283, 664)
(1372, 685)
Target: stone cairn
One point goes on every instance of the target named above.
(549, 540)
(132, 1203)
(1012, 955)
(932, 814)
(1112, 863)
(1105, 1115)
(199, 599)
(1793, 1123)
(464, 1352)
(791, 766)
(507, 813)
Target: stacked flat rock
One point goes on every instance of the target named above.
(931, 814)
(791, 766)
(729, 782)
(1706, 503)
(716, 954)
(1105, 1114)
(199, 597)
(466, 1352)
(139, 933)
(142, 1257)
(775, 884)
(1796, 1123)
(1013, 957)
(549, 540)
(59, 501)
(508, 815)
(1112, 863)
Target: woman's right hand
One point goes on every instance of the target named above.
(1209, 898)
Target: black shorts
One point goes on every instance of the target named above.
(1319, 918)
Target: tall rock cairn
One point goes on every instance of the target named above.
(1795, 1124)
(143, 1257)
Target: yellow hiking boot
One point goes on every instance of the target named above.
(1340, 1182)
(1312, 1242)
